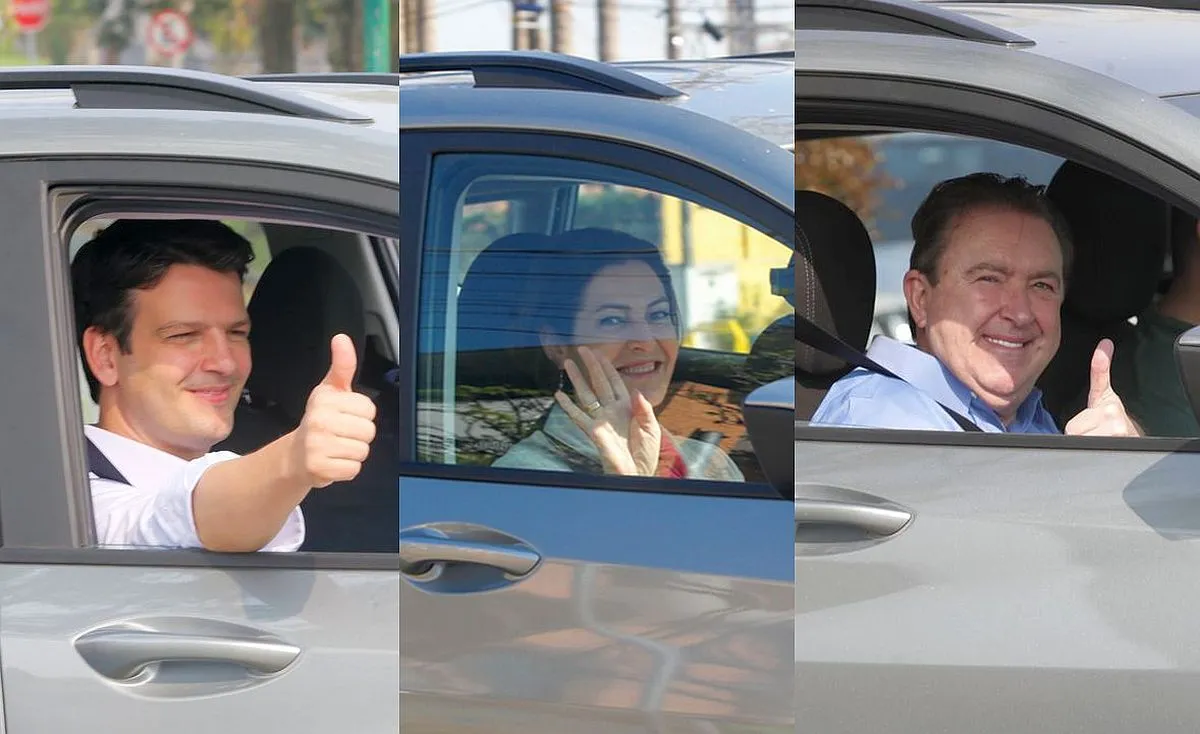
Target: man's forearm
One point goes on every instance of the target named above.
(240, 505)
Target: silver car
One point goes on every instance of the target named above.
(152, 640)
(950, 581)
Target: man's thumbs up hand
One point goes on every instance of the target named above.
(334, 436)
(342, 364)
(1105, 413)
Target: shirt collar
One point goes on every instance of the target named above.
(142, 464)
(927, 373)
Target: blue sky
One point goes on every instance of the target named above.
(476, 25)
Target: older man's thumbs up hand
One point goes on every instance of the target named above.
(335, 434)
(1105, 413)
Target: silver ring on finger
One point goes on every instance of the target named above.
(592, 408)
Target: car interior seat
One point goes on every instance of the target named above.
(500, 376)
(835, 289)
(302, 300)
(1120, 236)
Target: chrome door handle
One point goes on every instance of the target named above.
(123, 652)
(420, 551)
(874, 520)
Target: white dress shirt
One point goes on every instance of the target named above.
(155, 508)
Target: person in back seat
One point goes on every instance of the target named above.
(984, 294)
(1145, 370)
(163, 331)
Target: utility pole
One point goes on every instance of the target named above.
(562, 26)
(674, 36)
(743, 32)
(402, 34)
(427, 32)
(606, 16)
(526, 33)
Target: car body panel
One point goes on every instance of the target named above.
(356, 151)
(1157, 48)
(754, 162)
(649, 612)
(1032, 585)
(343, 621)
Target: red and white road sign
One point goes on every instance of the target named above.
(169, 33)
(29, 15)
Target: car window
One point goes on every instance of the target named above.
(529, 258)
(316, 288)
(1125, 282)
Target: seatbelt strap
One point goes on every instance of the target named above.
(99, 464)
(818, 338)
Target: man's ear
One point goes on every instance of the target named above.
(100, 349)
(916, 295)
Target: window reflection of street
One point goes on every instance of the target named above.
(709, 648)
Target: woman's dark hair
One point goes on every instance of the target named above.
(527, 288)
(135, 254)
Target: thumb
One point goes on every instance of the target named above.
(1101, 372)
(343, 363)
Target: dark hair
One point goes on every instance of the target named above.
(135, 254)
(933, 220)
(526, 288)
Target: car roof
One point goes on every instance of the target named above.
(1154, 49)
(752, 93)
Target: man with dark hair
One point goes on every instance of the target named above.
(1145, 369)
(984, 291)
(163, 331)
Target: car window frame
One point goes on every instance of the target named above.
(48, 524)
(417, 154)
(832, 99)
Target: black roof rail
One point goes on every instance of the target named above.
(900, 16)
(539, 70)
(165, 88)
(333, 77)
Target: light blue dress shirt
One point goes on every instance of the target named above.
(872, 400)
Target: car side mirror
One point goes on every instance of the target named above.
(770, 415)
(1187, 360)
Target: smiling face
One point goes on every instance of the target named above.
(189, 356)
(992, 317)
(625, 315)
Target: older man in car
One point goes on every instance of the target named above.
(984, 294)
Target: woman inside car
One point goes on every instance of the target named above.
(596, 311)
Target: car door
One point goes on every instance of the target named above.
(154, 640)
(1015, 582)
(548, 601)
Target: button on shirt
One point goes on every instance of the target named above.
(872, 400)
(155, 509)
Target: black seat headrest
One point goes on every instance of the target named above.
(835, 278)
(1120, 237)
(302, 300)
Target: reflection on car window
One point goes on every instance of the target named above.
(576, 319)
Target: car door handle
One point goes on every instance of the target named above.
(418, 552)
(870, 519)
(122, 653)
